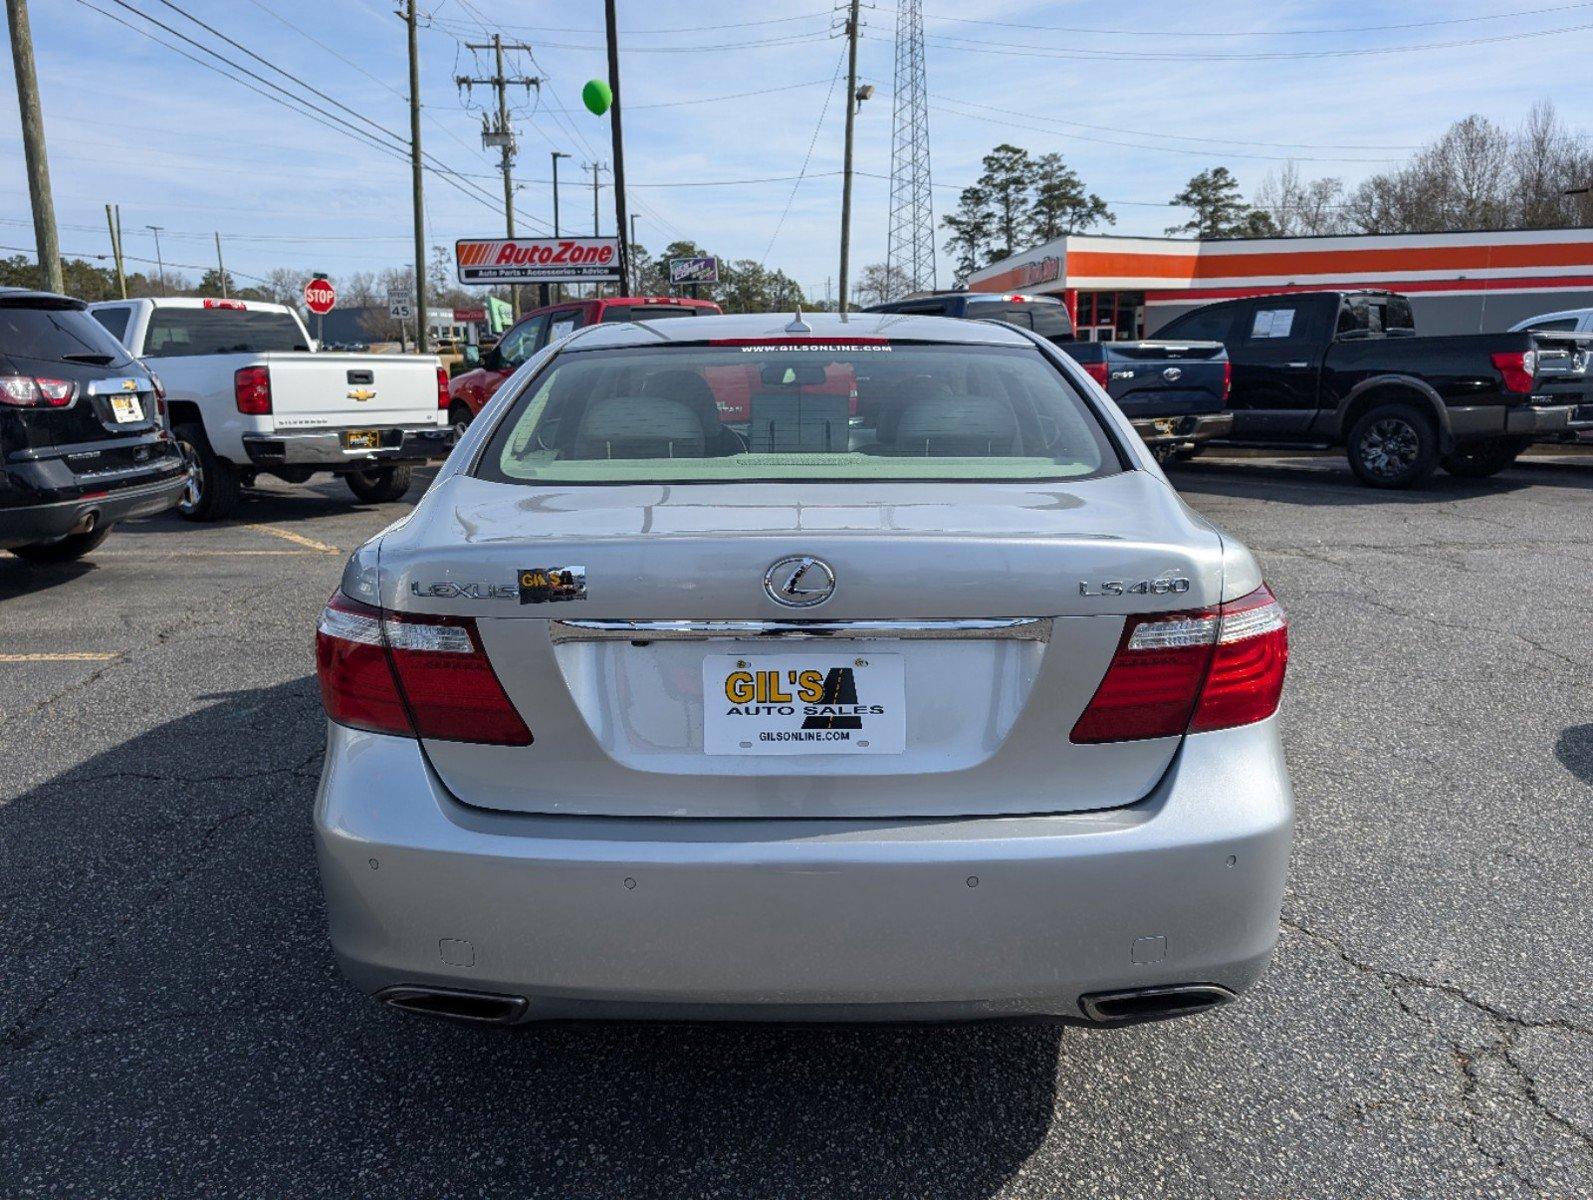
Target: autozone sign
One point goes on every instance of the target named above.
(537, 260)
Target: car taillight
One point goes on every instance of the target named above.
(410, 675)
(1098, 371)
(251, 387)
(1227, 380)
(28, 391)
(442, 389)
(1517, 367)
(1191, 672)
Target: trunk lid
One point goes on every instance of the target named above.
(624, 716)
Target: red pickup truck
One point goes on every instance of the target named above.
(470, 390)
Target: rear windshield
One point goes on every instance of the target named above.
(183, 332)
(784, 411)
(58, 335)
(1050, 321)
(647, 312)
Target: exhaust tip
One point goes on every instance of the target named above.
(485, 1008)
(1136, 1005)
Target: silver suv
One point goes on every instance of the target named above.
(751, 667)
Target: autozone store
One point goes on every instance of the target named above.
(1127, 287)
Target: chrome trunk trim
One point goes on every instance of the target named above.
(1028, 629)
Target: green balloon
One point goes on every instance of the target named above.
(597, 96)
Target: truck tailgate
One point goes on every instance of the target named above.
(1163, 379)
(353, 390)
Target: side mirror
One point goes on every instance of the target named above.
(472, 356)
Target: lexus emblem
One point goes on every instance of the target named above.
(800, 581)
(1173, 374)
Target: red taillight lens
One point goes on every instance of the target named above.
(413, 676)
(442, 389)
(1100, 372)
(27, 391)
(1517, 368)
(251, 387)
(1195, 671)
(1227, 380)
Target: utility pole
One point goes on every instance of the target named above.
(44, 235)
(620, 223)
(597, 229)
(501, 135)
(416, 176)
(846, 170)
(634, 278)
(160, 263)
(547, 288)
(221, 267)
(111, 219)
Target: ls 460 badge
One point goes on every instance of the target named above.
(1175, 585)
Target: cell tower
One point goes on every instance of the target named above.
(911, 248)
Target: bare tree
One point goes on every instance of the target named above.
(880, 283)
(1300, 207)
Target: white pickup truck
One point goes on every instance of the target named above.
(248, 395)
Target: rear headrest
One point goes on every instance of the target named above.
(639, 427)
(957, 426)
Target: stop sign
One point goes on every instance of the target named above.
(320, 296)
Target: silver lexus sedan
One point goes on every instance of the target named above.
(774, 667)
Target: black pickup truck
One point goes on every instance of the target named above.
(1347, 369)
(1171, 392)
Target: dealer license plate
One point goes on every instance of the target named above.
(362, 439)
(803, 704)
(127, 409)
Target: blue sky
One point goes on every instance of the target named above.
(1137, 97)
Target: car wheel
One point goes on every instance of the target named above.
(213, 488)
(1393, 446)
(379, 484)
(1482, 459)
(460, 416)
(62, 549)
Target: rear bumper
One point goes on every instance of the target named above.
(1478, 422)
(1202, 428)
(804, 919)
(325, 448)
(44, 522)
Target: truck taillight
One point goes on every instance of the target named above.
(1517, 367)
(1191, 672)
(1227, 380)
(251, 387)
(442, 388)
(414, 676)
(1098, 371)
(31, 391)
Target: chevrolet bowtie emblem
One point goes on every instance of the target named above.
(361, 394)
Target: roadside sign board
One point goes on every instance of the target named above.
(320, 297)
(467, 315)
(400, 306)
(537, 260)
(694, 270)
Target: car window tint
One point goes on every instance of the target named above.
(1213, 324)
(795, 412)
(114, 320)
(520, 343)
(1051, 321)
(1563, 324)
(647, 312)
(185, 332)
(56, 333)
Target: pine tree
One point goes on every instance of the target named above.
(1219, 210)
(1060, 204)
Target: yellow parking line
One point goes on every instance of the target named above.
(75, 656)
(298, 539)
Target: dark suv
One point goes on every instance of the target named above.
(1046, 315)
(83, 441)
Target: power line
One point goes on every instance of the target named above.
(806, 158)
(1247, 33)
(1015, 50)
(810, 16)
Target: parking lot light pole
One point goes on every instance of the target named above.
(547, 288)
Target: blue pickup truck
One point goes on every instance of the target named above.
(1173, 392)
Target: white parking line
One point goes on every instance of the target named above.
(71, 656)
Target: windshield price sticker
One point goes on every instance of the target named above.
(804, 704)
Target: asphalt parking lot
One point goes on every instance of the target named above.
(172, 1023)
